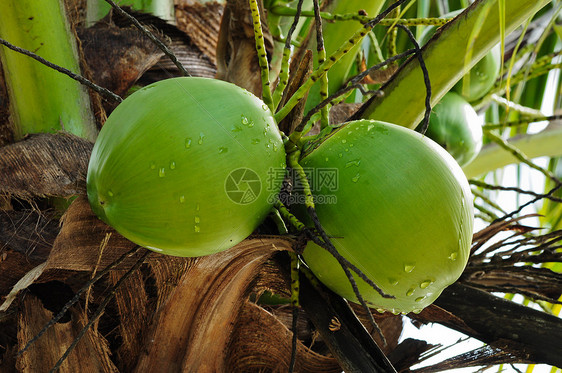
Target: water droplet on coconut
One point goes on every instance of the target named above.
(417, 310)
(110, 193)
(223, 149)
(172, 165)
(197, 220)
(264, 107)
(326, 159)
(182, 199)
(236, 128)
(162, 172)
(409, 267)
(395, 312)
(454, 255)
(244, 120)
(197, 207)
(201, 137)
(343, 141)
(197, 229)
(370, 127)
(340, 155)
(425, 284)
(392, 281)
(410, 292)
(380, 310)
(355, 178)
(255, 141)
(419, 299)
(188, 143)
(355, 162)
(351, 145)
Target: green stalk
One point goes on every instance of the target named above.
(42, 99)
(336, 34)
(418, 21)
(97, 9)
(262, 56)
(444, 57)
(492, 156)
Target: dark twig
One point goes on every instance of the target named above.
(102, 91)
(347, 266)
(151, 36)
(484, 185)
(293, 25)
(318, 22)
(294, 340)
(76, 297)
(425, 121)
(515, 212)
(326, 243)
(99, 310)
(384, 13)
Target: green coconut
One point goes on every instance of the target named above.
(455, 126)
(397, 206)
(187, 166)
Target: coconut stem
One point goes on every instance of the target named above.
(284, 72)
(286, 11)
(321, 54)
(262, 55)
(330, 61)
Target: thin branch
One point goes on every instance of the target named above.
(485, 198)
(99, 311)
(293, 27)
(323, 68)
(294, 341)
(347, 266)
(353, 83)
(484, 185)
(513, 213)
(425, 122)
(102, 91)
(321, 52)
(522, 157)
(521, 122)
(151, 36)
(361, 17)
(76, 297)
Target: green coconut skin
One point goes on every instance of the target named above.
(159, 170)
(481, 78)
(403, 214)
(455, 126)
